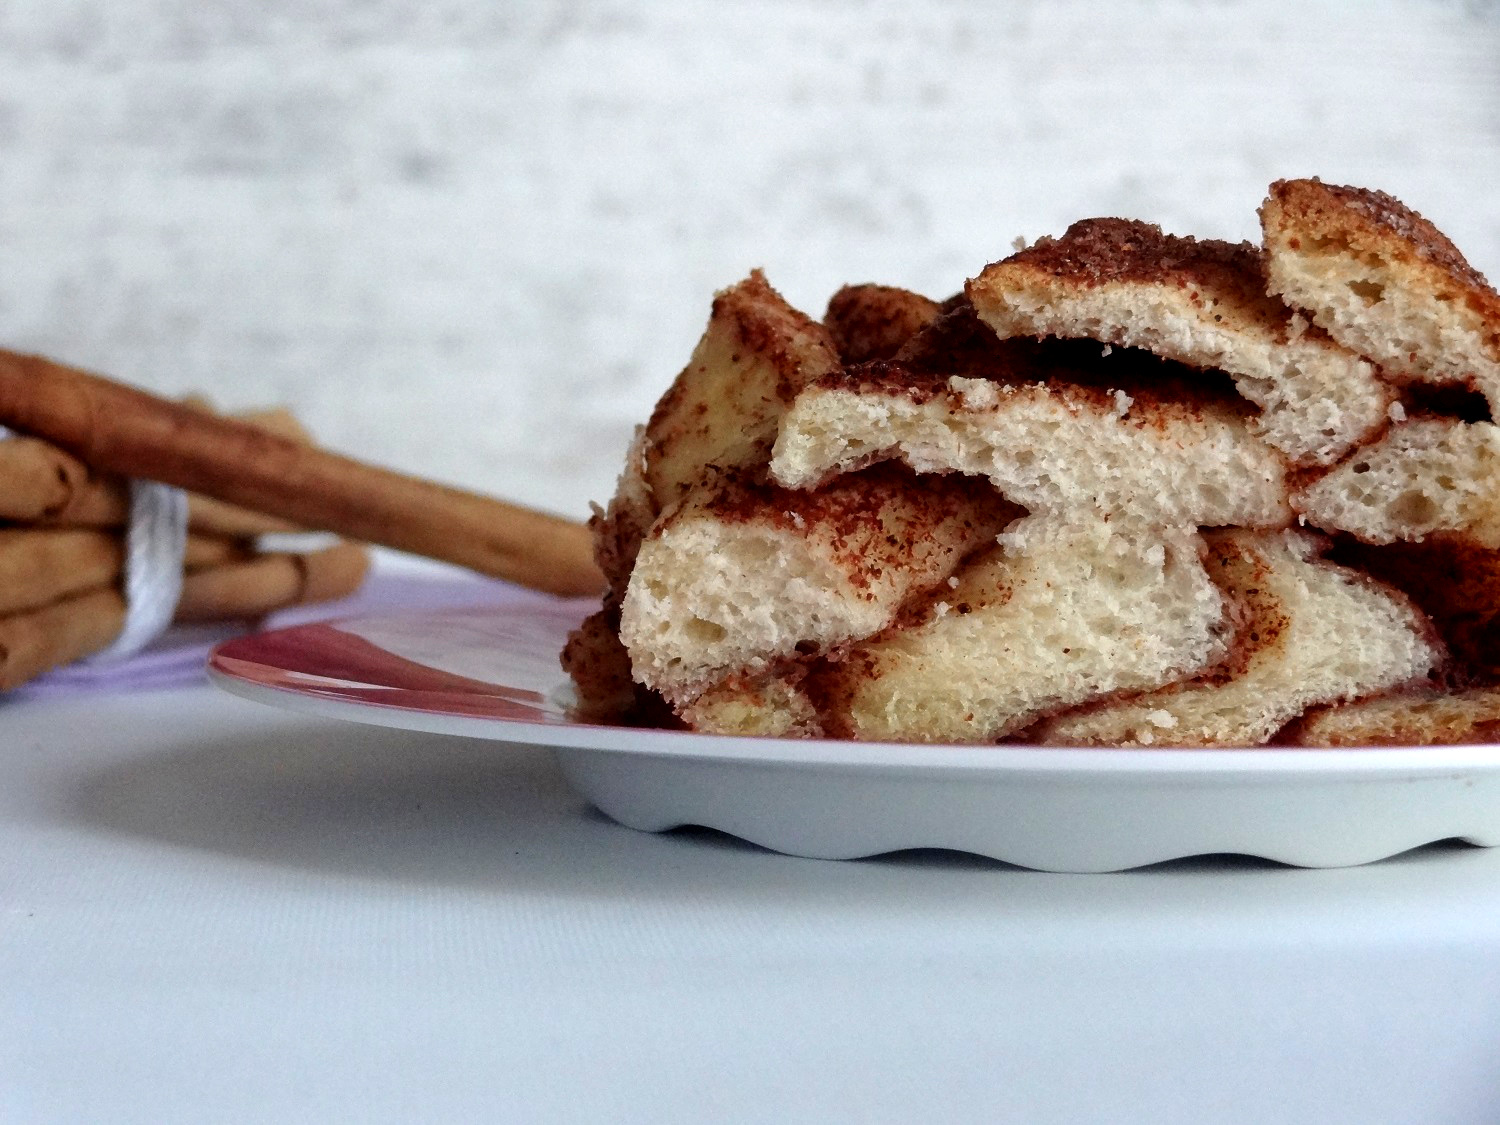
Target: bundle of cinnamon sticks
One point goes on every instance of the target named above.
(62, 558)
(78, 438)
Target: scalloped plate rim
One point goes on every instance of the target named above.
(657, 779)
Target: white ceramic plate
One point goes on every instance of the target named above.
(493, 673)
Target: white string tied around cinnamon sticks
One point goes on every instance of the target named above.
(155, 548)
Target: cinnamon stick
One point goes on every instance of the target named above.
(38, 481)
(278, 420)
(271, 582)
(42, 639)
(120, 429)
(42, 565)
(105, 503)
(204, 551)
(215, 517)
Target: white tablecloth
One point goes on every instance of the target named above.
(214, 911)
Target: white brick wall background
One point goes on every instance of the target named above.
(475, 240)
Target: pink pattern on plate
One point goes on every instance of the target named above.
(333, 661)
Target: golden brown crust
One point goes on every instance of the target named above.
(764, 324)
(619, 529)
(599, 666)
(1420, 715)
(1309, 216)
(1368, 219)
(1096, 252)
(756, 354)
(873, 321)
(600, 669)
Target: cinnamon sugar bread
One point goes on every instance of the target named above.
(873, 321)
(1450, 578)
(1384, 282)
(769, 704)
(723, 409)
(1060, 613)
(1056, 446)
(1059, 507)
(719, 415)
(1202, 303)
(1426, 475)
(743, 574)
(1312, 633)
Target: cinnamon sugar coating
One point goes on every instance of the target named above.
(1326, 208)
(1095, 252)
(873, 321)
